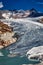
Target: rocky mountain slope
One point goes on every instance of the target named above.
(6, 35)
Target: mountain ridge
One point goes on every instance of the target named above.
(6, 14)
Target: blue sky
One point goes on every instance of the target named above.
(22, 4)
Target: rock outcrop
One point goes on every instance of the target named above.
(41, 20)
(5, 28)
(6, 35)
(36, 53)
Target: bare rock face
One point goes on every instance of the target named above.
(6, 35)
(41, 20)
(4, 28)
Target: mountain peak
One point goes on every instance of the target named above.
(33, 10)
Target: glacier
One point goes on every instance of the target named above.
(30, 32)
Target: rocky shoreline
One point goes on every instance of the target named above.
(35, 64)
(6, 35)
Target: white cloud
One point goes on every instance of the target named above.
(39, 2)
(1, 4)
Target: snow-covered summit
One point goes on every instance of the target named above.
(6, 14)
